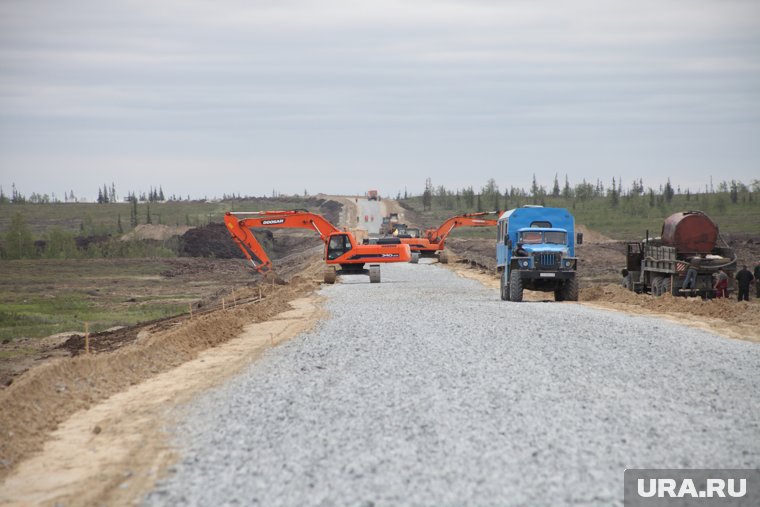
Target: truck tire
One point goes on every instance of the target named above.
(330, 275)
(515, 286)
(504, 286)
(656, 288)
(374, 274)
(415, 258)
(443, 257)
(666, 286)
(570, 290)
(628, 282)
(559, 294)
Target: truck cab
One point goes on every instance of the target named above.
(535, 250)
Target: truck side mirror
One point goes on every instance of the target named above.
(509, 244)
(579, 238)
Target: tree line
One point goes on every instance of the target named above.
(491, 197)
(106, 194)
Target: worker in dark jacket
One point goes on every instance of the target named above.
(743, 280)
(757, 280)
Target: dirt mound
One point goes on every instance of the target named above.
(742, 318)
(155, 232)
(214, 241)
(330, 210)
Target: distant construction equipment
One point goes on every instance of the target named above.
(343, 254)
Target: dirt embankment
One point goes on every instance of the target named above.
(43, 397)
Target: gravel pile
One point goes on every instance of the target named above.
(427, 389)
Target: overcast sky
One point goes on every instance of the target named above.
(210, 97)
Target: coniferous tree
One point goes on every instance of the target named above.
(614, 199)
(133, 219)
(148, 219)
(427, 195)
(555, 189)
(567, 192)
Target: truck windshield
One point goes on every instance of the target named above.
(531, 237)
(555, 237)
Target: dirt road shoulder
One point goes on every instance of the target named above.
(113, 453)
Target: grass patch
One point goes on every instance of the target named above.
(43, 297)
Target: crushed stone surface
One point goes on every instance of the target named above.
(428, 390)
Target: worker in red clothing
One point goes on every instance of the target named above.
(721, 284)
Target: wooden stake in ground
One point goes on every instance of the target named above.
(86, 338)
(190, 305)
(223, 304)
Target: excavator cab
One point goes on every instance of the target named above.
(338, 245)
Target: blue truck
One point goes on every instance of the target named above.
(535, 250)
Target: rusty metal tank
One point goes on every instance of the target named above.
(690, 232)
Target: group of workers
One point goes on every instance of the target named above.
(744, 279)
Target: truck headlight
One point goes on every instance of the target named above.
(524, 263)
(567, 263)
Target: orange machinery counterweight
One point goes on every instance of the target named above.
(341, 248)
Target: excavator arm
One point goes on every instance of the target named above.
(438, 236)
(240, 223)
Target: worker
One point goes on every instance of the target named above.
(690, 282)
(721, 284)
(757, 280)
(743, 280)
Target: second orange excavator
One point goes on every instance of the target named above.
(434, 240)
(343, 254)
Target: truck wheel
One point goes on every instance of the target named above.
(374, 274)
(666, 287)
(628, 282)
(656, 286)
(570, 290)
(330, 274)
(443, 257)
(504, 286)
(515, 286)
(415, 258)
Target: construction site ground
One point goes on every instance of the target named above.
(116, 401)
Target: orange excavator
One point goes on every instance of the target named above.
(434, 240)
(343, 254)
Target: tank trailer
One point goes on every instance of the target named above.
(688, 240)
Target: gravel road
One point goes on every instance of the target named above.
(427, 389)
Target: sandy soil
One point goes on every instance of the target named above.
(125, 449)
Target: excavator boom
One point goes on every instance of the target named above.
(240, 223)
(437, 237)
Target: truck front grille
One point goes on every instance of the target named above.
(546, 260)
